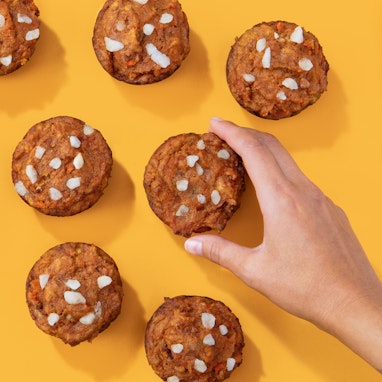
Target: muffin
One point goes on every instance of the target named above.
(141, 41)
(276, 69)
(74, 291)
(192, 338)
(62, 166)
(19, 33)
(194, 183)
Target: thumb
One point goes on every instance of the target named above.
(221, 251)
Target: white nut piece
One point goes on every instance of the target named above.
(215, 197)
(208, 320)
(53, 318)
(6, 61)
(39, 153)
(55, 163)
(209, 340)
(223, 154)
(73, 284)
(104, 281)
(88, 319)
(281, 95)
(78, 161)
(88, 130)
(55, 194)
(266, 61)
(20, 188)
(223, 330)
(158, 57)
(74, 298)
(2, 20)
(230, 364)
(201, 144)
(32, 35)
(182, 185)
(173, 378)
(191, 160)
(73, 183)
(113, 45)
(74, 142)
(305, 64)
(261, 44)
(249, 77)
(290, 83)
(148, 29)
(297, 35)
(166, 18)
(23, 19)
(182, 211)
(200, 365)
(31, 173)
(177, 348)
(43, 279)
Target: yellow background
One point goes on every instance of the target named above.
(337, 142)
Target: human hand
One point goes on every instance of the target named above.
(310, 262)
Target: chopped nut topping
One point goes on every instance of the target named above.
(177, 348)
(201, 145)
(98, 309)
(230, 364)
(290, 83)
(266, 61)
(55, 163)
(200, 366)
(143, 2)
(121, 26)
(88, 319)
(261, 44)
(182, 210)
(73, 284)
(39, 153)
(223, 330)
(201, 199)
(113, 45)
(43, 280)
(281, 95)
(31, 173)
(88, 130)
(148, 29)
(208, 320)
(158, 57)
(173, 378)
(209, 340)
(249, 77)
(24, 19)
(104, 281)
(223, 154)
(305, 64)
(20, 188)
(297, 35)
(53, 318)
(191, 160)
(55, 194)
(166, 18)
(2, 20)
(182, 185)
(33, 34)
(74, 298)
(199, 169)
(75, 142)
(6, 61)
(78, 161)
(73, 183)
(215, 197)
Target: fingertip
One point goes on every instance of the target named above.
(194, 246)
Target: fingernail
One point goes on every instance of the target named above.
(194, 247)
(217, 119)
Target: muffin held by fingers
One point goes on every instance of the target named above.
(276, 69)
(194, 183)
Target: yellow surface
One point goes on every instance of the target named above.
(337, 142)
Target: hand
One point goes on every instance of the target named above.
(310, 262)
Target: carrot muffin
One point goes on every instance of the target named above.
(194, 183)
(141, 41)
(192, 338)
(276, 69)
(74, 291)
(62, 166)
(19, 33)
